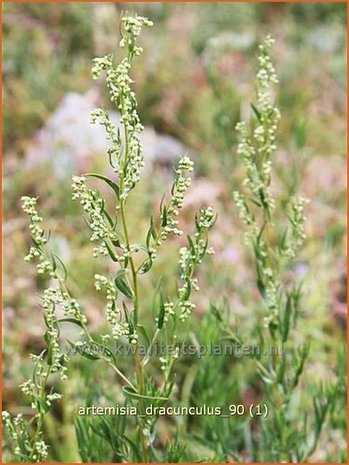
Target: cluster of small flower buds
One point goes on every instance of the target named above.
(268, 114)
(42, 450)
(72, 308)
(38, 236)
(37, 250)
(271, 296)
(45, 266)
(6, 418)
(18, 429)
(296, 234)
(186, 308)
(93, 205)
(112, 133)
(258, 177)
(206, 219)
(101, 64)
(121, 329)
(190, 257)
(55, 360)
(52, 397)
(256, 155)
(119, 84)
(133, 338)
(185, 164)
(50, 298)
(169, 311)
(171, 355)
(184, 259)
(125, 155)
(28, 388)
(266, 72)
(244, 212)
(180, 186)
(133, 27)
(29, 206)
(33, 252)
(273, 304)
(35, 387)
(113, 313)
(256, 151)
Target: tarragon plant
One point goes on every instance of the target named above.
(283, 437)
(125, 312)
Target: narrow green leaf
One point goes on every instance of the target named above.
(43, 406)
(89, 356)
(122, 285)
(128, 318)
(130, 393)
(285, 327)
(62, 265)
(110, 251)
(191, 243)
(144, 333)
(122, 422)
(81, 350)
(173, 188)
(232, 338)
(147, 264)
(216, 312)
(106, 352)
(54, 263)
(161, 315)
(256, 112)
(151, 232)
(49, 348)
(109, 219)
(164, 216)
(70, 320)
(135, 449)
(188, 288)
(110, 183)
(303, 354)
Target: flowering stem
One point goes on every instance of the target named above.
(111, 234)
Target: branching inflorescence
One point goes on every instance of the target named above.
(257, 205)
(110, 235)
(273, 253)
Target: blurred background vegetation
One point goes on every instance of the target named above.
(194, 82)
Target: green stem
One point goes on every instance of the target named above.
(138, 362)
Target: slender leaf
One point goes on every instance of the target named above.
(110, 183)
